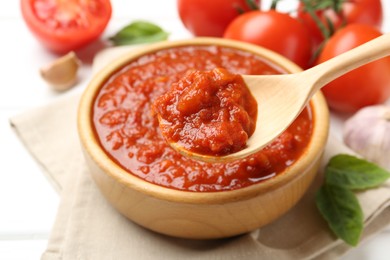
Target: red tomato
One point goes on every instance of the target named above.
(367, 85)
(209, 17)
(358, 11)
(62, 26)
(276, 31)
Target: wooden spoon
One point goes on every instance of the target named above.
(280, 98)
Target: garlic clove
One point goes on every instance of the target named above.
(62, 73)
(368, 133)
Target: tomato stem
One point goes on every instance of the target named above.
(274, 4)
(338, 6)
(239, 10)
(317, 52)
(326, 27)
(311, 7)
(252, 5)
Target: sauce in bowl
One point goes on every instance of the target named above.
(129, 132)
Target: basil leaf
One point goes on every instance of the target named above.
(342, 211)
(139, 32)
(353, 173)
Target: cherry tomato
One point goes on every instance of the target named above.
(358, 11)
(210, 17)
(273, 30)
(367, 85)
(62, 26)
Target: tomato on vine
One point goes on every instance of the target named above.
(275, 31)
(210, 18)
(367, 85)
(334, 14)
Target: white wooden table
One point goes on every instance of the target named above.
(28, 202)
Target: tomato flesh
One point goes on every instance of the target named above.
(64, 14)
(62, 26)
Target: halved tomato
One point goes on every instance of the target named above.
(62, 26)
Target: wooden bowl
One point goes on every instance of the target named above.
(200, 215)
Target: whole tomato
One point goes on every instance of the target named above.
(358, 11)
(275, 31)
(210, 18)
(62, 26)
(367, 85)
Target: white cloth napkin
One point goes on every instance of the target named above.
(87, 227)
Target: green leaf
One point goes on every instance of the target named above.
(139, 32)
(342, 211)
(350, 172)
(336, 201)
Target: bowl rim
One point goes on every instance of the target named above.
(94, 150)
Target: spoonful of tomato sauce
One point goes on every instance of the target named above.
(217, 116)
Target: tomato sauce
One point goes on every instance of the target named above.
(208, 112)
(129, 132)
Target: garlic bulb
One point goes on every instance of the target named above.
(368, 133)
(62, 73)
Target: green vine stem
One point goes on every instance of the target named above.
(274, 4)
(252, 5)
(310, 8)
(326, 27)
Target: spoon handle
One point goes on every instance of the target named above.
(347, 61)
